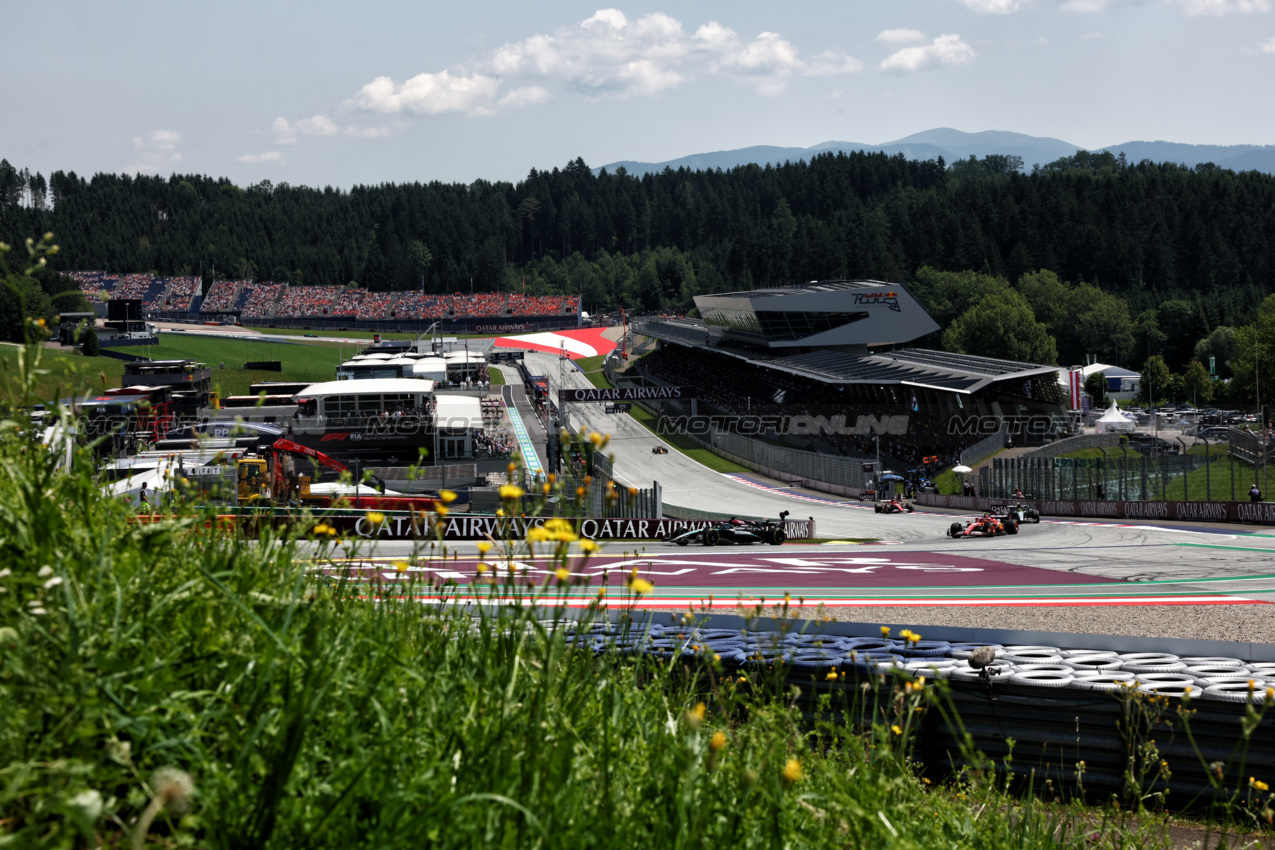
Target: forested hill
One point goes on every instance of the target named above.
(1146, 232)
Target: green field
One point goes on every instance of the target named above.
(69, 374)
(300, 362)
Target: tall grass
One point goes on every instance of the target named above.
(169, 683)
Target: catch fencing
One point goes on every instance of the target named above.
(1123, 477)
(815, 470)
(985, 447)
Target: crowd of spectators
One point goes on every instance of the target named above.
(542, 305)
(259, 299)
(132, 287)
(302, 301)
(96, 286)
(477, 304)
(376, 305)
(222, 297)
(348, 302)
(418, 305)
(178, 293)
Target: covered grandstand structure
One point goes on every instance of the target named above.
(825, 361)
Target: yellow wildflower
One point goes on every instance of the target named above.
(832, 676)
(375, 517)
(441, 510)
(1258, 785)
(510, 491)
(718, 741)
(699, 711)
(596, 439)
(641, 586)
(483, 547)
(896, 729)
(544, 488)
(885, 631)
(561, 574)
(588, 547)
(537, 534)
(481, 568)
(792, 771)
(321, 528)
(500, 511)
(448, 496)
(400, 566)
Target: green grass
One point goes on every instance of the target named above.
(141, 659)
(301, 362)
(497, 377)
(70, 374)
(949, 483)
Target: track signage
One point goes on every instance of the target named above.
(618, 408)
(626, 394)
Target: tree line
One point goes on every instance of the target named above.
(1141, 258)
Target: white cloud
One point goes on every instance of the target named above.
(525, 96)
(317, 125)
(946, 50)
(255, 158)
(367, 132)
(994, 7)
(1091, 36)
(607, 55)
(429, 94)
(1267, 46)
(832, 62)
(1223, 7)
(284, 133)
(899, 36)
(155, 151)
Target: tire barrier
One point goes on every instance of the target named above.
(1060, 712)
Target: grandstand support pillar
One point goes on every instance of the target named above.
(694, 407)
(657, 496)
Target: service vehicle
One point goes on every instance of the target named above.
(983, 526)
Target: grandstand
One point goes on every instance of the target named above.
(324, 304)
(258, 300)
(223, 297)
(829, 350)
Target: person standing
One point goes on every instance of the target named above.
(1254, 494)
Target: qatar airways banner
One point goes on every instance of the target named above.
(626, 394)
(401, 527)
(1258, 513)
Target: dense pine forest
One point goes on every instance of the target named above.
(1117, 241)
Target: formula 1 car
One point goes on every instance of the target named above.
(893, 506)
(984, 526)
(735, 531)
(659, 450)
(1021, 512)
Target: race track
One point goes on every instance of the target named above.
(1156, 579)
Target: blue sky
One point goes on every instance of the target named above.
(325, 93)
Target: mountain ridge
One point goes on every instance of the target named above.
(954, 144)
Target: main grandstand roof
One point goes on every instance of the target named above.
(919, 367)
(840, 313)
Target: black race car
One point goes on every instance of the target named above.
(1020, 511)
(984, 526)
(735, 531)
(893, 506)
(660, 450)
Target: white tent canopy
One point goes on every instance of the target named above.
(1113, 420)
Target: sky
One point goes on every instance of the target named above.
(324, 93)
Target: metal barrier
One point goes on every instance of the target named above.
(985, 447)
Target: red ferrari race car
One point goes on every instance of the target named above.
(893, 506)
(984, 526)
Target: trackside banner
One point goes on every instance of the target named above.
(626, 394)
(499, 528)
(1258, 513)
